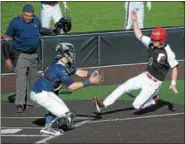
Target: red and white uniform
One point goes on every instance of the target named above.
(160, 61)
(138, 7)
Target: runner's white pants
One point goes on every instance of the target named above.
(148, 87)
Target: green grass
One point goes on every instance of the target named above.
(102, 16)
(103, 91)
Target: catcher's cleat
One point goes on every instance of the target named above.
(51, 131)
(99, 104)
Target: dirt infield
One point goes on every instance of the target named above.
(119, 123)
(112, 75)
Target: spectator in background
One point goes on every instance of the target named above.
(138, 7)
(51, 10)
(24, 31)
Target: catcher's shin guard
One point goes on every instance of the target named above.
(65, 121)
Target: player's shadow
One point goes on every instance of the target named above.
(160, 103)
(114, 111)
(41, 121)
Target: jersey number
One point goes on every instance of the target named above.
(161, 58)
(150, 61)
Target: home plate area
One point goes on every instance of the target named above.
(118, 124)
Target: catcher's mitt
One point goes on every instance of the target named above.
(97, 72)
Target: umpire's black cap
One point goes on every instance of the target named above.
(28, 8)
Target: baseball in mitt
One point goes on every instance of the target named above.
(97, 72)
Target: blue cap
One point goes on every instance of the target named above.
(28, 8)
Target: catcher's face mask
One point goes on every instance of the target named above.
(66, 50)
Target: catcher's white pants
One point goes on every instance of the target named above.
(50, 101)
(49, 13)
(138, 7)
(148, 87)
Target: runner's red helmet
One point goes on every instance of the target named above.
(159, 34)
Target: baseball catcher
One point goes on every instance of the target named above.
(57, 74)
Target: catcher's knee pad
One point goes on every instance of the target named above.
(70, 118)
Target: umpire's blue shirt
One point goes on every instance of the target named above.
(25, 35)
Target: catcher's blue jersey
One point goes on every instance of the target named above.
(55, 75)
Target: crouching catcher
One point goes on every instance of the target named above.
(45, 90)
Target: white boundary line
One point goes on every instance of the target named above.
(83, 122)
(21, 117)
(23, 135)
(108, 66)
(136, 118)
(17, 127)
(46, 139)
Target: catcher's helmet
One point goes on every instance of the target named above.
(64, 23)
(66, 50)
(159, 34)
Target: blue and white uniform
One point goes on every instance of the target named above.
(43, 90)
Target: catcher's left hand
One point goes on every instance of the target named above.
(97, 72)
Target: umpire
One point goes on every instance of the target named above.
(24, 33)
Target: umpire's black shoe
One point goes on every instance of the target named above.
(19, 108)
